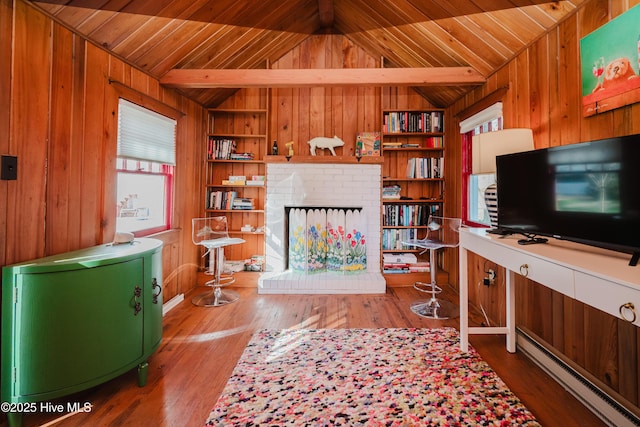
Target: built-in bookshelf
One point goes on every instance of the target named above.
(413, 185)
(235, 175)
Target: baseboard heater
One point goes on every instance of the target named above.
(593, 397)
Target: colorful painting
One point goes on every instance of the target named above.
(610, 64)
(368, 144)
(326, 240)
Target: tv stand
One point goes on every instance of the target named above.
(634, 259)
(597, 277)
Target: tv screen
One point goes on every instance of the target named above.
(587, 192)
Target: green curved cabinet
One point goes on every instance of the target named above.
(78, 319)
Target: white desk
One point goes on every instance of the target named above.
(597, 277)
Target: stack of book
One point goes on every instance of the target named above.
(403, 263)
(391, 192)
(255, 263)
(419, 267)
(256, 180)
(241, 156)
(398, 263)
(239, 180)
(389, 144)
(242, 203)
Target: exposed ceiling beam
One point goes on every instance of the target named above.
(277, 78)
(325, 13)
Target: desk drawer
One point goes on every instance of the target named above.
(549, 274)
(608, 296)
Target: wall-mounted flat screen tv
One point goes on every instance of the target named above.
(587, 193)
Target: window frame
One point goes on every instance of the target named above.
(166, 170)
(486, 120)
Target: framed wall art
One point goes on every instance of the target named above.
(610, 64)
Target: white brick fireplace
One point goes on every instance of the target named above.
(321, 185)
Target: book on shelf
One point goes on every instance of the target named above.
(395, 269)
(368, 144)
(425, 167)
(390, 144)
(255, 263)
(413, 122)
(392, 238)
(233, 266)
(420, 267)
(256, 180)
(220, 148)
(407, 215)
(434, 142)
(399, 258)
(217, 199)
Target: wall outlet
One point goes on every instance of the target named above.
(490, 279)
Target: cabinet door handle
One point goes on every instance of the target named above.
(524, 270)
(154, 285)
(137, 307)
(625, 308)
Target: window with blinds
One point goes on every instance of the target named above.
(145, 165)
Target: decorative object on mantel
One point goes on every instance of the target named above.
(368, 144)
(289, 146)
(611, 77)
(485, 147)
(324, 142)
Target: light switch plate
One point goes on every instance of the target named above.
(9, 168)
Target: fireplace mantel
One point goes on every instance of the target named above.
(321, 181)
(368, 160)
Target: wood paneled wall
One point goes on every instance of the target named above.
(545, 94)
(300, 114)
(58, 116)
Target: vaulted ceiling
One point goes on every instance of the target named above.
(157, 36)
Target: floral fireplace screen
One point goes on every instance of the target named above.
(326, 239)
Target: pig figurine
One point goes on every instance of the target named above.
(324, 142)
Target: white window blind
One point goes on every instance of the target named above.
(145, 135)
(490, 113)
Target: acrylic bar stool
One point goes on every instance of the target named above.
(213, 234)
(441, 233)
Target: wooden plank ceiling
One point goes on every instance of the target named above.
(158, 36)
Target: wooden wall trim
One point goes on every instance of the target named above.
(144, 100)
(495, 96)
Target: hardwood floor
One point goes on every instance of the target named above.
(202, 345)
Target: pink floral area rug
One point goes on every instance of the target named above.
(367, 377)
